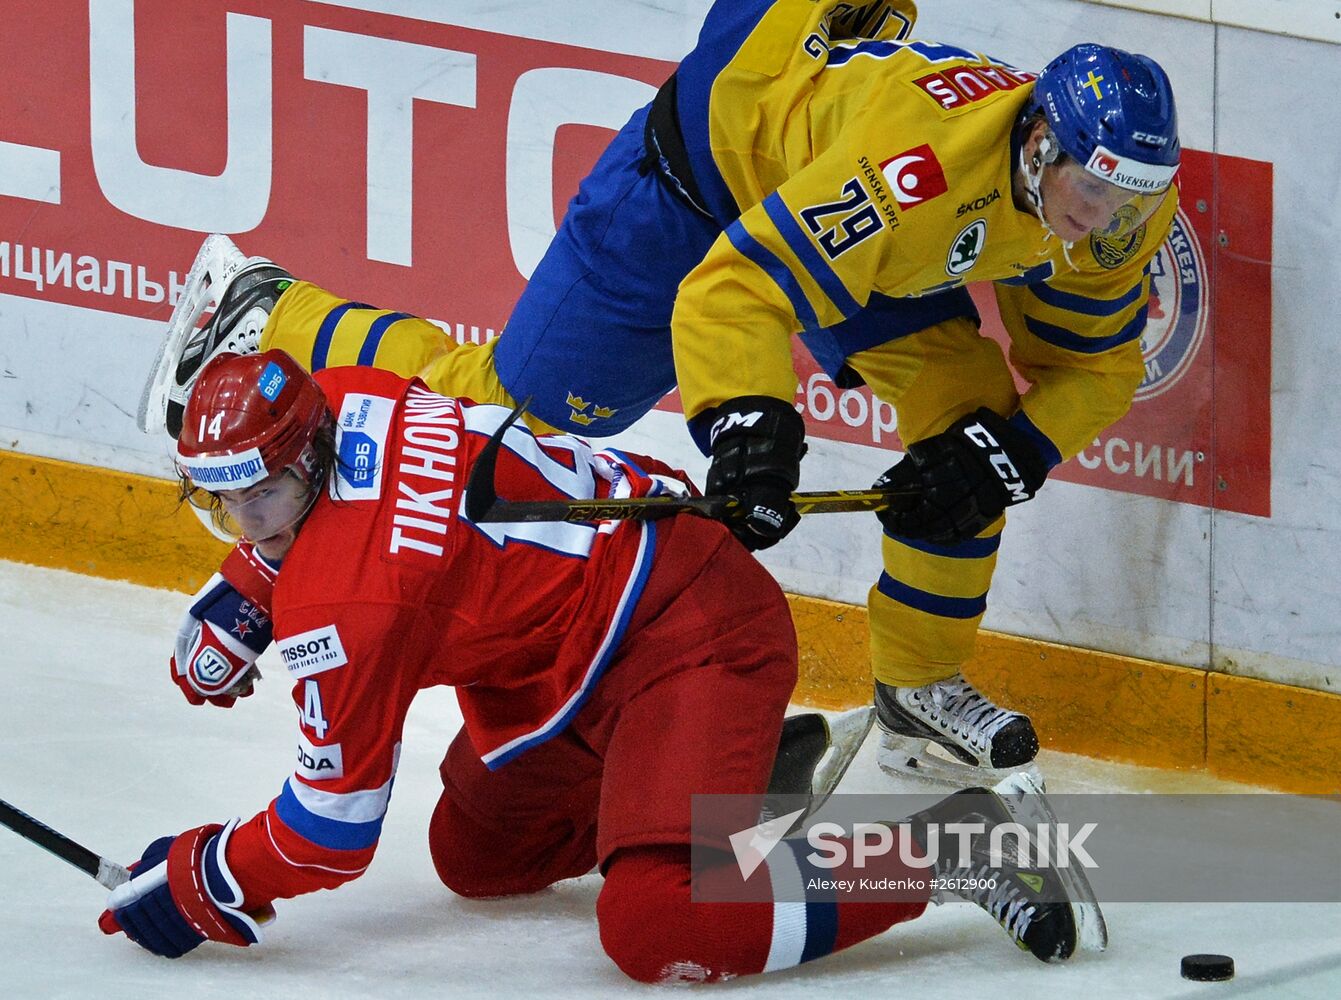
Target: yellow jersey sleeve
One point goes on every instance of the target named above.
(1076, 337)
(806, 257)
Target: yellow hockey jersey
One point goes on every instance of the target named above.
(855, 160)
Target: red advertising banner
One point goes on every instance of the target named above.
(393, 160)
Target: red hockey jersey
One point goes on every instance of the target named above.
(390, 588)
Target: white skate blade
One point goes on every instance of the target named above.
(217, 252)
(911, 756)
(1023, 796)
(847, 733)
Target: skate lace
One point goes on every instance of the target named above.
(968, 713)
(1000, 897)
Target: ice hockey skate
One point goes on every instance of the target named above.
(814, 752)
(241, 291)
(1048, 910)
(980, 741)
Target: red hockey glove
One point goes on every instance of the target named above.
(181, 892)
(218, 642)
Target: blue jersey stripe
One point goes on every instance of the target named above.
(755, 251)
(974, 548)
(368, 353)
(810, 258)
(1021, 422)
(724, 30)
(843, 54)
(821, 928)
(322, 830)
(932, 604)
(1083, 304)
(821, 905)
(628, 460)
(604, 657)
(321, 347)
(1069, 340)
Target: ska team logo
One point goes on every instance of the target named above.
(1177, 315)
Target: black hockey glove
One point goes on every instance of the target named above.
(757, 443)
(965, 478)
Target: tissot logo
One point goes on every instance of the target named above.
(915, 176)
(312, 652)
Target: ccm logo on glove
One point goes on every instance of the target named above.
(730, 420)
(756, 444)
(1001, 462)
(953, 485)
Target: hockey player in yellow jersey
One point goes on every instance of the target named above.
(813, 169)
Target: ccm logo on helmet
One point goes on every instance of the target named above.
(313, 652)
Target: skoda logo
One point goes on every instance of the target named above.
(967, 248)
(1177, 313)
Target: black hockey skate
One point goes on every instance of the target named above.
(985, 740)
(242, 291)
(814, 753)
(1048, 911)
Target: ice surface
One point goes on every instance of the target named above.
(96, 742)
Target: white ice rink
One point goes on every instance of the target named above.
(95, 741)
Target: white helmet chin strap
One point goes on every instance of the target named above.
(1033, 180)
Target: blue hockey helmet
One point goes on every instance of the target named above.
(1113, 113)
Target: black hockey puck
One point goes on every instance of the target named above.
(1208, 968)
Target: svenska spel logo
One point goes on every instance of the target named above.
(915, 176)
(1177, 314)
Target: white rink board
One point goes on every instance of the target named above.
(1080, 564)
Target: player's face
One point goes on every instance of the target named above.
(1077, 203)
(268, 513)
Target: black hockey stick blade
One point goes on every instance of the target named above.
(484, 507)
(108, 873)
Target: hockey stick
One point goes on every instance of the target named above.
(484, 507)
(108, 873)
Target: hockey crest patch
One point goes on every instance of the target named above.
(1113, 251)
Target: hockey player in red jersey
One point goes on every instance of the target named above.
(606, 671)
(814, 169)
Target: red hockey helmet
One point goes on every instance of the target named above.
(249, 417)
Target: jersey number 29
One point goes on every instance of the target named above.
(857, 219)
